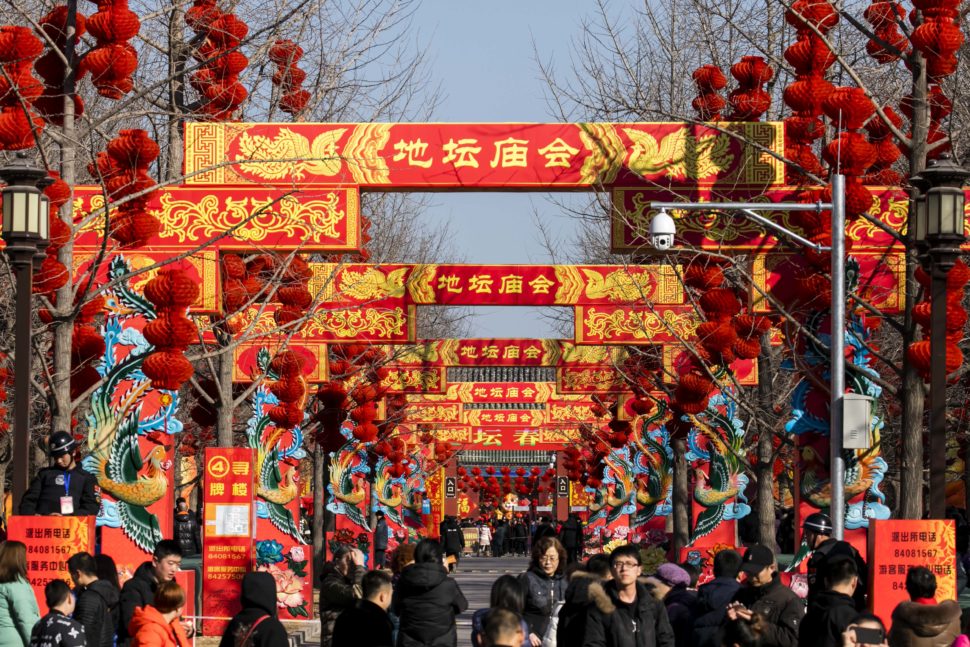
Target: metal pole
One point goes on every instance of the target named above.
(937, 440)
(22, 369)
(837, 364)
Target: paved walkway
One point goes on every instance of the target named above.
(475, 576)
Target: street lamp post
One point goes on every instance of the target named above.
(837, 345)
(938, 236)
(25, 232)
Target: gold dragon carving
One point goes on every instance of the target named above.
(589, 378)
(290, 154)
(372, 284)
(679, 155)
(569, 413)
(634, 324)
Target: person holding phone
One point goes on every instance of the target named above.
(763, 594)
(866, 631)
(833, 610)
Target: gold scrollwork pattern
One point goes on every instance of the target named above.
(369, 323)
(209, 217)
(413, 379)
(569, 413)
(588, 379)
(570, 284)
(434, 413)
(421, 284)
(363, 154)
(627, 325)
(606, 153)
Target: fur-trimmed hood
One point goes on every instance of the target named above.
(926, 620)
(597, 595)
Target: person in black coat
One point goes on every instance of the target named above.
(256, 625)
(585, 590)
(366, 623)
(833, 610)
(713, 598)
(454, 540)
(544, 584)
(817, 535)
(380, 540)
(637, 618)
(187, 529)
(571, 534)
(544, 529)
(499, 538)
(519, 534)
(139, 591)
(427, 600)
(63, 488)
(763, 594)
(97, 601)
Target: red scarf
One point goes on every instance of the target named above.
(924, 601)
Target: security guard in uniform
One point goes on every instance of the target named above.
(817, 534)
(64, 488)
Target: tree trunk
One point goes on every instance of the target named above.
(766, 450)
(681, 498)
(912, 393)
(60, 394)
(224, 408)
(320, 470)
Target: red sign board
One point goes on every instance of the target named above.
(50, 542)
(895, 546)
(227, 539)
(464, 156)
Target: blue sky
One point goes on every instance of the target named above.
(483, 55)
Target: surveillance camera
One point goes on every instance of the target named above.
(662, 231)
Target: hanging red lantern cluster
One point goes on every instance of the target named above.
(172, 291)
(51, 66)
(395, 450)
(112, 60)
(887, 152)
(123, 170)
(217, 78)
(885, 17)
(87, 347)
(708, 103)
(235, 290)
(851, 153)
(810, 59)
(52, 274)
(956, 319)
(290, 389)
(19, 89)
(293, 294)
(286, 54)
(938, 38)
(750, 100)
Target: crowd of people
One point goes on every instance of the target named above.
(558, 601)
